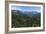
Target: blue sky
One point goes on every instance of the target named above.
(26, 8)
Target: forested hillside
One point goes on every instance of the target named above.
(23, 20)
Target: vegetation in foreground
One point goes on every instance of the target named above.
(22, 20)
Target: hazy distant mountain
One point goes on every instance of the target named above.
(16, 11)
(37, 15)
(28, 13)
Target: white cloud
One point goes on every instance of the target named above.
(13, 8)
(37, 11)
(18, 9)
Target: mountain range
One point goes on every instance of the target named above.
(28, 13)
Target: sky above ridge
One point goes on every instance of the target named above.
(26, 8)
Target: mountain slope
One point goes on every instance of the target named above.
(28, 13)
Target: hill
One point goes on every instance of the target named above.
(20, 19)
